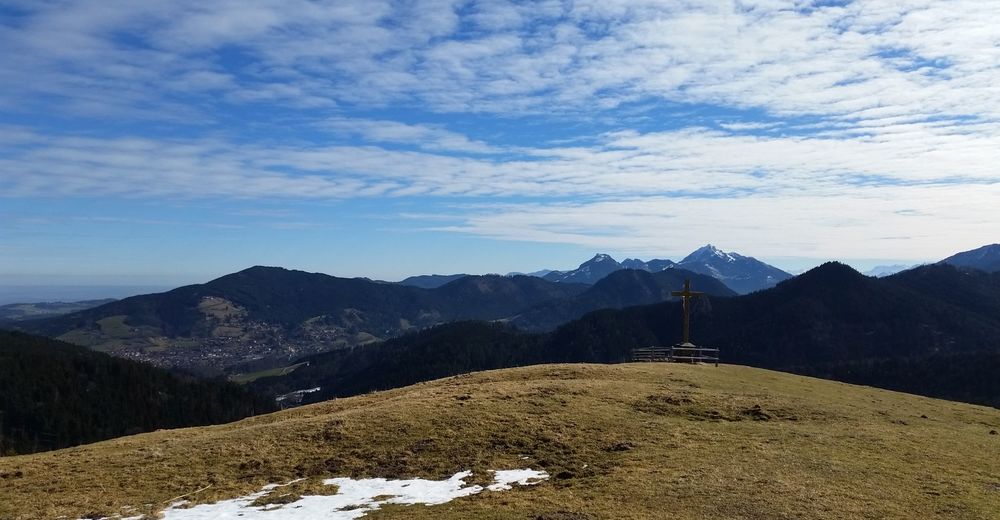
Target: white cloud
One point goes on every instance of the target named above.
(422, 136)
(873, 108)
(836, 225)
(923, 59)
(682, 162)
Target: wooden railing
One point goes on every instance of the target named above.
(651, 354)
(683, 353)
(694, 354)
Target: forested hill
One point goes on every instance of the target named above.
(269, 314)
(831, 322)
(54, 395)
(263, 317)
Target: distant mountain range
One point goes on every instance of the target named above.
(932, 330)
(261, 317)
(590, 271)
(264, 317)
(621, 288)
(740, 273)
(881, 271)
(986, 258)
(29, 311)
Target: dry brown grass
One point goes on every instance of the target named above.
(622, 441)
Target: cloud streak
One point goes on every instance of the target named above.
(689, 162)
(816, 120)
(856, 61)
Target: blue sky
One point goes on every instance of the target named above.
(167, 142)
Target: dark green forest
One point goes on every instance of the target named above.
(933, 331)
(54, 395)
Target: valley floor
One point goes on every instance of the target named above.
(618, 441)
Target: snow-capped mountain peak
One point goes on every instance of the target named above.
(709, 252)
(589, 272)
(741, 273)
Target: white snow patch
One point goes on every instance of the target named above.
(503, 479)
(140, 517)
(354, 498)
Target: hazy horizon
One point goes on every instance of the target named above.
(14, 290)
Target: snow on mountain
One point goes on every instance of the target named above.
(742, 274)
(589, 272)
(654, 266)
(880, 271)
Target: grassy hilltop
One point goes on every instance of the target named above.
(622, 441)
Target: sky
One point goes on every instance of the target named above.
(166, 142)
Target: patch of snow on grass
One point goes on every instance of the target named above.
(503, 479)
(354, 499)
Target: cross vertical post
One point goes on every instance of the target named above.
(686, 295)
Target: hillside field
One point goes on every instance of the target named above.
(620, 441)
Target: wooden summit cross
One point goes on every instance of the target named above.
(684, 352)
(686, 295)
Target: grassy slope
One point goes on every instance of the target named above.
(625, 441)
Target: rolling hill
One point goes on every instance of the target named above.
(625, 441)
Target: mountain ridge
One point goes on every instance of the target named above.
(740, 273)
(985, 258)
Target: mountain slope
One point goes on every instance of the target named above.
(830, 314)
(970, 289)
(742, 274)
(430, 281)
(628, 441)
(588, 273)
(834, 314)
(53, 395)
(623, 288)
(266, 315)
(500, 296)
(986, 258)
